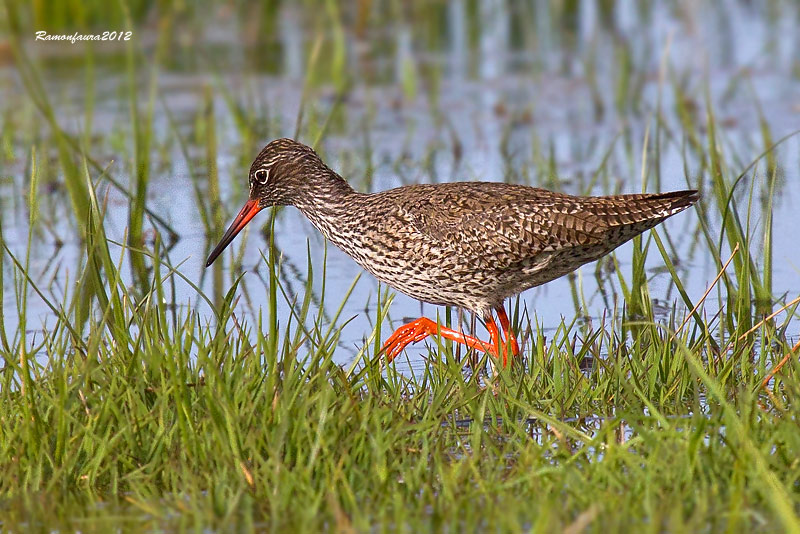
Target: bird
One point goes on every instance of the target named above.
(466, 244)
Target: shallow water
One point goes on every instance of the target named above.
(486, 91)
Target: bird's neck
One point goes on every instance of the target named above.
(327, 201)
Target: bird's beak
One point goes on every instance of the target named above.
(249, 211)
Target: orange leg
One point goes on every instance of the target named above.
(423, 327)
(508, 333)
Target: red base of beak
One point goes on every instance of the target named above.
(249, 211)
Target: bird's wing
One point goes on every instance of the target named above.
(497, 224)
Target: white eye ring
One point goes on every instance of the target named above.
(262, 175)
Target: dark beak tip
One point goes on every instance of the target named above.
(249, 211)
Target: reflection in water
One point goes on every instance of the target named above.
(493, 39)
(292, 40)
(404, 74)
(459, 47)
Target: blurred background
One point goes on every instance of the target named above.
(580, 96)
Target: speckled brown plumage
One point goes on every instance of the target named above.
(466, 244)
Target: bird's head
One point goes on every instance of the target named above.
(276, 176)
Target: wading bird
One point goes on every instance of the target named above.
(466, 244)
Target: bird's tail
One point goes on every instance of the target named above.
(647, 209)
(663, 205)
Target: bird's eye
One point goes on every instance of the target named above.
(262, 175)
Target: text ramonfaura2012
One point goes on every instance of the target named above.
(42, 35)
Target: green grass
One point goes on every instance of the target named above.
(150, 416)
(128, 409)
(225, 427)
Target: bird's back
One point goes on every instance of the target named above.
(473, 244)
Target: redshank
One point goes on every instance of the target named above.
(466, 244)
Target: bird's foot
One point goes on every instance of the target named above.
(405, 335)
(423, 327)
